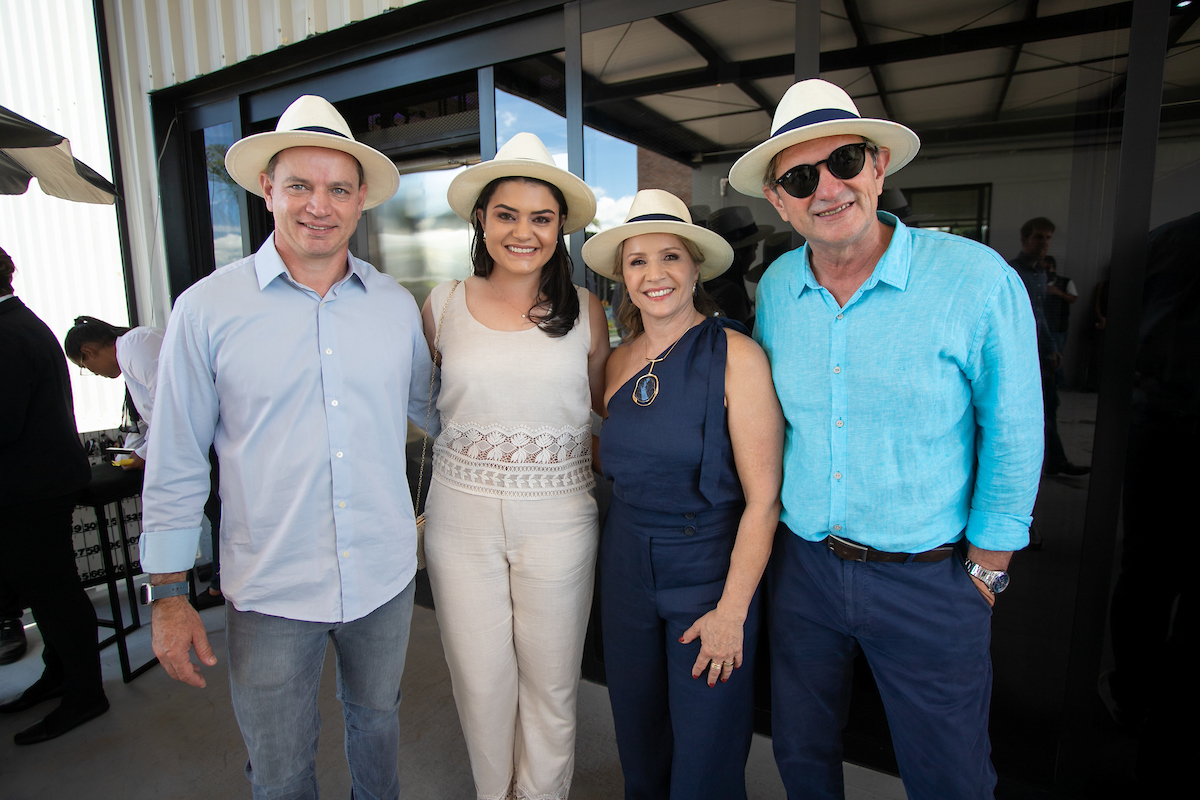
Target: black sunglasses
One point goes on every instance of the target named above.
(843, 163)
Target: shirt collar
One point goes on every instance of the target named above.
(7, 297)
(892, 268)
(268, 265)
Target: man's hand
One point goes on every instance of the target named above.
(175, 628)
(135, 462)
(989, 559)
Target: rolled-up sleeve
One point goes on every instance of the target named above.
(177, 469)
(1007, 397)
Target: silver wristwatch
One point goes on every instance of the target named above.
(996, 580)
(151, 593)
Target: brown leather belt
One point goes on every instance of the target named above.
(853, 551)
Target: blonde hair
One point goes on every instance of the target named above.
(629, 316)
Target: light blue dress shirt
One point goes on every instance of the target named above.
(305, 399)
(914, 413)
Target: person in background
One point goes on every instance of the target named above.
(1030, 266)
(42, 468)
(693, 442)
(111, 351)
(302, 365)
(511, 518)
(1061, 294)
(736, 225)
(905, 361)
(12, 632)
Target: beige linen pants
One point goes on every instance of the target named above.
(512, 582)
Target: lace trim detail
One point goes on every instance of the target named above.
(514, 461)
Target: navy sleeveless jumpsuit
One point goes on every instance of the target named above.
(664, 556)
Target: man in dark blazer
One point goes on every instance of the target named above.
(42, 468)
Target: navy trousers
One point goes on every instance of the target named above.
(925, 631)
(678, 738)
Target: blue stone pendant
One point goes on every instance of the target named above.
(645, 389)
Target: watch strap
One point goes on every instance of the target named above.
(151, 593)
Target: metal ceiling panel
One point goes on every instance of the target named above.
(734, 133)
(1183, 72)
(707, 102)
(889, 22)
(1081, 48)
(908, 75)
(746, 29)
(1058, 91)
(636, 50)
(936, 107)
(836, 33)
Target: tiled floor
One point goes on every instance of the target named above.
(162, 739)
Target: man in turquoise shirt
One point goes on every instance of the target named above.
(906, 363)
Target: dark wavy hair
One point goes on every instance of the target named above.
(555, 285)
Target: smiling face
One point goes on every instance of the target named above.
(659, 274)
(840, 213)
(316, 199)
(520, 226)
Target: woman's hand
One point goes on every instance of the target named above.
(720, 634)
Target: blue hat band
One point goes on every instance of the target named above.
(319, 129)
(652, 217)
(813, 117)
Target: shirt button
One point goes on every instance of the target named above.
(339, 453)
(837, 476)
(328, 351)
(837, 370)
(839, 316)
(334, 403)
(342, 504)
(837, 527)
(689, 531)
(345, 554)
(839, 422)
(689, 515)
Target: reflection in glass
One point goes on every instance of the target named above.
(416, 238)
(222, 196)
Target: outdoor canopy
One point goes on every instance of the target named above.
(27, 150)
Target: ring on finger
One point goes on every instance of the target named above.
(716, 666)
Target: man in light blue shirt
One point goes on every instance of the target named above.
(301, 365)
(906, 364)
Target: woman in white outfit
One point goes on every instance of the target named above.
(129, 353)
(511, 520)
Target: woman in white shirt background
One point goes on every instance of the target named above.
(112, 351)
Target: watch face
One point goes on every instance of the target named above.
(1000, 583)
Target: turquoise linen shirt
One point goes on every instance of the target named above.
(914, 413)
(306, 400)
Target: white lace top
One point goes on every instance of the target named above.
(515, 406)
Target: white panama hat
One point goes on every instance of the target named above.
(311, 121)
(657, 211)
(810, 110)
(523, 156)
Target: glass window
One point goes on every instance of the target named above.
(222, 196)
(415, 237)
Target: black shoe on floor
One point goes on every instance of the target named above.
(207, 599)
(12, 641)
(1067, 468)
(38, 693)
(58, 722)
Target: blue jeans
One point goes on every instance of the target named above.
(275, 674)
(925, 631)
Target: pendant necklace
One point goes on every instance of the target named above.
(645, 389)
(524, 316)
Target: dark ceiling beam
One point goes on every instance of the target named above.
(860, 35)
(1013, 58)
(1009, 34)
(677, 25)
